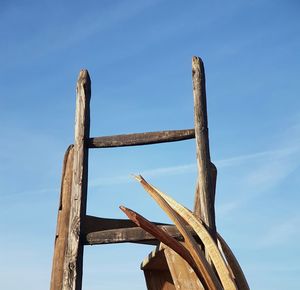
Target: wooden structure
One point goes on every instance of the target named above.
(189, 257)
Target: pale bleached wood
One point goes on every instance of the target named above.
(205, 192)
(240, 278)
(209, 278)
(72, 279)
(136, 139)
(182, 273)
(211, 248)
(63, 218)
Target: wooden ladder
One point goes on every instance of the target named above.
(75, 228)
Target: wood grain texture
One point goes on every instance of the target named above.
(236, 269)
(63, 218)
(210, 246)
(129, 235)
(141, 138)
(94, 224)
(73, 263)
(182, 273)
(205, 192)
(156, 271)
(162, 236)
(213, 176)
(210, 281)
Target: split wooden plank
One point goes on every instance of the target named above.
(240, 278)
(72, 279)
(141, 138)
(210, 279)
(162, 236)
(63, 218)
(205, 192)
(210, 246)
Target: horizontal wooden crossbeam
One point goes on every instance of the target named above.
(99, 231)
(128, 235)
(141, 138)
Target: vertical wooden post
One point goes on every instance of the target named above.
(204, 200)
(63, 218)
(72, 279)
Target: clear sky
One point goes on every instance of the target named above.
(139, 55)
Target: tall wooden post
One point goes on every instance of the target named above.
(63, 218)
(204, 199)
(72, 277)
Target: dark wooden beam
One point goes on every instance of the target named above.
(96, 224)
(130, 235)
(141, 138)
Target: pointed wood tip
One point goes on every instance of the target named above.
(139, 177)
(84, 76)
(197, 62)
(123, 208)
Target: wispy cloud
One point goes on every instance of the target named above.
(280, 233)
(155, 172)
(263, 172)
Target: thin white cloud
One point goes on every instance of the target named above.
(280, 233)
(253, 177)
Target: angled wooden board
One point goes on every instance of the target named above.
(209, 280)
(224, 274)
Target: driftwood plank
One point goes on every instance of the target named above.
(211, 248)
(209, 277)
(141, 138)
(72, 279)
(205, 192)
(63, 218)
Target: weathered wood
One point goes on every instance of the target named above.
(210, 246)
(233, 263)
(141, 138)
(131, 235)
(159, 280)
(63, 218)
(162, 236)
(156, 270)
(72, 279)
(207, 209)
(213, 176)
(155, 260)
(209, 278)
(92, 224)
(182, 274)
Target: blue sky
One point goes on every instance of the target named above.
(139, 55)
